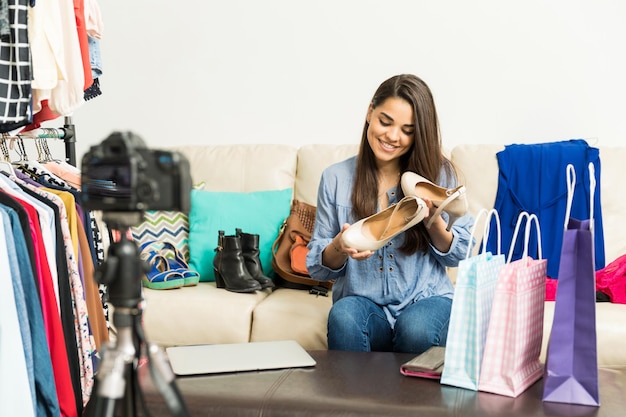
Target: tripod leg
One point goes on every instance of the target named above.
(115, 373)
(100, 407)
(130, 405)
(162, 375)
(116, 377)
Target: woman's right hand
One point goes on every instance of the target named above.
(336, 253)
(351, 252)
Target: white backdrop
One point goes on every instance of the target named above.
(290, 71)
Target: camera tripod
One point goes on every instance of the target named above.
(116, 384)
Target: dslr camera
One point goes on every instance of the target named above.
(122, 175)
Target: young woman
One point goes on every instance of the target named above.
(399, 297)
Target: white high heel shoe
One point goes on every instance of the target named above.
(373, 232)
(452, 200)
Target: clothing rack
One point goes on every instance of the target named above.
(67, 133)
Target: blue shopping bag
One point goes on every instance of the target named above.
(471, 309)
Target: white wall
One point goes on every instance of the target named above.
(289, 71)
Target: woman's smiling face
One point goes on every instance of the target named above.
(391, 129)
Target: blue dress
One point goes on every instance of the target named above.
(533, 178)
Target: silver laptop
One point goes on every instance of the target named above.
(237, 357)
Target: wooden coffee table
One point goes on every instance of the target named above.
(366, 384)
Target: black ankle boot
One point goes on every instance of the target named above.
(229, 266)
(250, 247)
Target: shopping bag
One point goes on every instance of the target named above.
(513, 344)
(471, 309)
(571, 371)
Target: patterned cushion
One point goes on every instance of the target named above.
(164, 226)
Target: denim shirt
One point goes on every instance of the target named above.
(389, 278)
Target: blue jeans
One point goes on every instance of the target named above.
(358, 324)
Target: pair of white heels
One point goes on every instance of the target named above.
(373, 232)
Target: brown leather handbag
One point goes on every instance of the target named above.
(289, 249)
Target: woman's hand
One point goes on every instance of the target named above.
(440, 237)
(336, 253)
(351, 252)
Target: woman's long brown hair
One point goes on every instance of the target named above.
(425, 156)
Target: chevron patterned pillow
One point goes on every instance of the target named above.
(164, 226)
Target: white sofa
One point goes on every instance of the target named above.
(207, 315)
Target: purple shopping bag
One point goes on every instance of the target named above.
(571, 370)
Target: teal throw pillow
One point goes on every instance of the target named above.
(260, 212)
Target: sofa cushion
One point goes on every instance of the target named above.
(477, 167)
(241, 168)
(292, 314)
(612, 174)
(312, 160)
(610, 332)
(198, 315)
(259, 212)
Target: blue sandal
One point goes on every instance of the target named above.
(175, 264)
(160, 276)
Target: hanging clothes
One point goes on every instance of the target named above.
(42, 383)
(90, 325)
(15, 345)
(68, 322)
(92, 233)
(50, 310)
(76, 301)
(61, 312)
(80, 329)
(16, 91)
(62, 37)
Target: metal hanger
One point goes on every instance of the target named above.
(5, 162)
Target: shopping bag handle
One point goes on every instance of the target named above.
(490, 213)
(592, 191)
(530, 218)
(571, 184)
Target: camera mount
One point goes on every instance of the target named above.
(116, 379)
(122, 178)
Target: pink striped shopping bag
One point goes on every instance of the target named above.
(511, 357)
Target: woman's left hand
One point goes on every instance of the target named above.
(440, 237)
